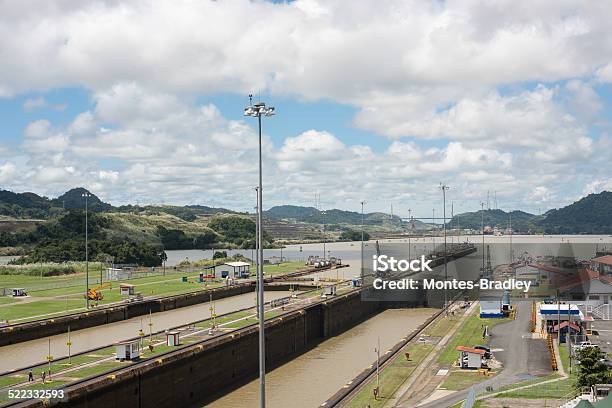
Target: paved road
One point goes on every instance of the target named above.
(520, 355)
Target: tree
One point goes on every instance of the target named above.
(351, 235)
(220, 255)
(592, 369)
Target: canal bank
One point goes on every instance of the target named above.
(34, 351)
(103, 315)
(192, 375)
(327, 366)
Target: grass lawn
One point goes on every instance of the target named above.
(392, 377)
(470, 334)
(16, 311)
(462, 379)
(170, 284)
(557, 389)
(4, 300)
(442, 326)
(93, 370)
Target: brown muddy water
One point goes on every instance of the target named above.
(311, 378)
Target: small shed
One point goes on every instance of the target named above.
(126, 289)
(117, 274)
(329, 290)
(207, 273)
(127, 350)
(17, 292)
(173, 338)
(564, 328)
(470, 357)
(491, 306)
(233, 270)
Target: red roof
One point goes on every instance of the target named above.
(606, 259)
(548, 268)
(564, 324)
(584, 275)
(470, 350)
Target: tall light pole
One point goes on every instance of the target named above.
(409, 232)
(323, 212)
(444, 188)
(257, 251)
(483, 240)
(433, 234)
(258, 110)
(86, 196)
(362, 235)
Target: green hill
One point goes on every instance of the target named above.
(589, 215)
(333, 216)
(522, 222)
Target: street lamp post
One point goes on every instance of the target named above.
(258, 110)
(86, 196)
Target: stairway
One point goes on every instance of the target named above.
(601, 312)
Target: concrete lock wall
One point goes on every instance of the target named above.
(96, 317)
(198, 373)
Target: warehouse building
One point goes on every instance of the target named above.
(234, 270)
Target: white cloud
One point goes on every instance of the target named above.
(450, 82)
(597, 186)
(32, 104)
(7, 171)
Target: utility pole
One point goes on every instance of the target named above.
(444, 188)
(483, 238)
(377, 350)
(362, 236)
(433, 226)
(323, 212)
(409, 231)
(86, 196)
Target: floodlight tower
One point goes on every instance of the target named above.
(259, 110)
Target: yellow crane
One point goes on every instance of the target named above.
(96, 292)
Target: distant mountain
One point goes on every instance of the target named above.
(74, 199)
(23, 205)
(521, 221)
(589, 215)
(333, 216)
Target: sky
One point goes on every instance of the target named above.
(142, 102)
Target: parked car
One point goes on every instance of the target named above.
(583, 344)
(486, 349)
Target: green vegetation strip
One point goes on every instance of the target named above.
(391, 378)
(69, 299)
(469, 334)
(100, 362)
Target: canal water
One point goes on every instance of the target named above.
(35, 351)
(311, 378)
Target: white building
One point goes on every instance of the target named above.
(234, 270)
(470, 357)
(491, 304)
